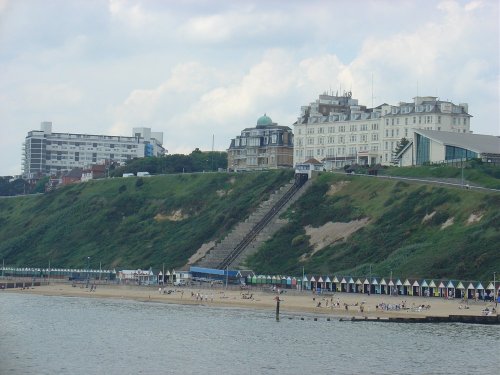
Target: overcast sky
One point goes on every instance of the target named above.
(196, 68)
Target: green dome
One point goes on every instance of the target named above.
(264, 121)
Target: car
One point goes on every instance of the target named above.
(180, 283)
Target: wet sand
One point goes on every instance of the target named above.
(291, 302)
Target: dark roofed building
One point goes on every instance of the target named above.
(265, 146)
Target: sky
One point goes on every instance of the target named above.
(202, 70)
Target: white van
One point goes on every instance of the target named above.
(143, 174)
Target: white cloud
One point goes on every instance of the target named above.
(196, 68)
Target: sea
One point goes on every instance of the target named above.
(74, 335)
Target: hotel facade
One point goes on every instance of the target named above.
(338, 131)
(265, 146)
(46, 153)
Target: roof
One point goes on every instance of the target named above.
(479, 143)
(213, 271)
(312, 161)
(264, 120)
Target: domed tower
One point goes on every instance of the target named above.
(264, 121)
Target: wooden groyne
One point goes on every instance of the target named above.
(469, 319)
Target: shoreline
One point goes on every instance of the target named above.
(360, 307)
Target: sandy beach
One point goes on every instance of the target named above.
(291, 302)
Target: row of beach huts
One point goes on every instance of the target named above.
(314, 283)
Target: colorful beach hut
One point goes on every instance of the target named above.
(383, 287)
(335, 284)
(407, 288)
(328, 283)
(424, 289)
(480, 290)
(359, 286)
(366, 286)
(433, 291)
(460, 290)
(390, 287)
(471, 291)
(306, 283)
(375, 285)
(343, 285)
(450, 289)
(351, 285)
(415, 288)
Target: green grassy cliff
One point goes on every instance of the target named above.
(343, 224)
(129, 222)
(413, 229)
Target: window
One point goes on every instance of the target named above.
(331, 129)
(406, 121)
(310, 141)
(374, 137)
(342, 128)
(439, 119)
(414, 120)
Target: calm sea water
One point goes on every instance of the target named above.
(69, 335)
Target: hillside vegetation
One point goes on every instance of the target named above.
(343, 224)
(415, 230)
(129, 222)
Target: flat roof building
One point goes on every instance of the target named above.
(431, 146)
(48, 153)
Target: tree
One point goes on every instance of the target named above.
(399, 147)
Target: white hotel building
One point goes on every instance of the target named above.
(338, 131)
(48, 153)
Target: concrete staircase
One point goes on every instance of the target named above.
(248, 235)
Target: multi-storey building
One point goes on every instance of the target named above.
(48, 153)
(266, 146)
(338, 131)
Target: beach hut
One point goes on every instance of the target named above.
(415, 288)
(480, 290)
(433, 290)
(460, 290)
(390, 288)
(313, 283)
(375, 285)
(343, 285)
(328, 283)
(366, 286)
(424, 288)
(289, 281)
(383, 286)
(293, 283)
(320, 284)
(407, 288)
(335, 284)
(351, 285)
(471, 291)
(442, 289)
(399, 287)
(359, 286)
(298, 284)
(489, 291)
(306, 284)
(450, 289)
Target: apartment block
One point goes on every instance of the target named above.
(48, 153)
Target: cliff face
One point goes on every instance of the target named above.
(342, 224)
(130, 222)
(349, 224)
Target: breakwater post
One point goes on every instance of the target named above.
(277, 298)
